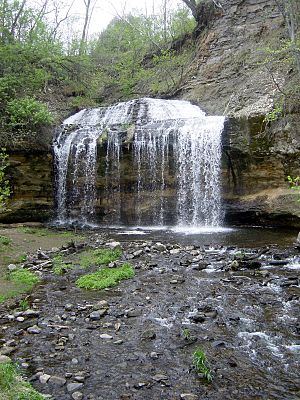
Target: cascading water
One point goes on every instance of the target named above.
(175, 160)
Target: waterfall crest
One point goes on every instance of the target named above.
(173, 155)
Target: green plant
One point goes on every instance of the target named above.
(23, 304)
(4, 240)
(105, 277)
(24, 277)
(294, 183)
(27, 114)
(274, 114)
(186, 333)
(99, 257)
(13, 387)
(200, 364)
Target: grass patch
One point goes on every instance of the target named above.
(24, 281)
(106, 277)
(200, 364)
(24, 277)
(99, 257)
(4, 240)
(13, 387)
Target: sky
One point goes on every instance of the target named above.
(106, 10)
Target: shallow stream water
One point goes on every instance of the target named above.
(246, 321)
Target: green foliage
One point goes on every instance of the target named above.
(186, 333)
(13, 387)
(27, 114)
(106, 277)
(99, 257)
(23, 304)
(4, 240)
(4, 182)
(294, 183)
(274, 114)
(25, 278)
(201, 365)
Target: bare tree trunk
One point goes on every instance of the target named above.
(87, 4)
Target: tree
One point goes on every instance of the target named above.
(290, 10)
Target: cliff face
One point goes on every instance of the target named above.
(229, 78)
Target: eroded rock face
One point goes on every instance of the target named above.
(31, 179)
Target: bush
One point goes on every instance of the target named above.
(27, 114)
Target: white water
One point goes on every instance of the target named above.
(172, 139)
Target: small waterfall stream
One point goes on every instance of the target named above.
(175, 153)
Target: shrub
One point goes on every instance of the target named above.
(27, 114)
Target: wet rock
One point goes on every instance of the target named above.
(74, 386)
(35, 330)
(57, 381)
(102, 304)
(96, 315)
(218, 343)
(4, 359)
(154, 355)
(198, 318)
(234, 265)
(199, 266)
(148, 335)
(159, 247)
(278, 262)
(20, 319)
(137, 253)
(251, 264)
(175, 251)
(44, 378)
(291, 281)
(77, 396)
(133, 313)
(106, 336)
(31, 313)
(113, 245)
(69, 307)
(160, 378)
(188, 396)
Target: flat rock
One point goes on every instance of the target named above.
(106, 336)
(74, 386)
(57, 380)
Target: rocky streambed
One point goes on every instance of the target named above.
(136, 340)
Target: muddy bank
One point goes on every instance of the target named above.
(136, 340)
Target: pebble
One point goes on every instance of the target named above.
(77, 396)
(35, 330)
(160, 377)
(106, 336)
(20, 319)
(148, 335)
(44, 378)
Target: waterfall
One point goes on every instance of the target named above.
(173, 155)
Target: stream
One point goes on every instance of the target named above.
(135, 341)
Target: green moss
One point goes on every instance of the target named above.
(13, 387)
(106, 277)
(99, 257)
